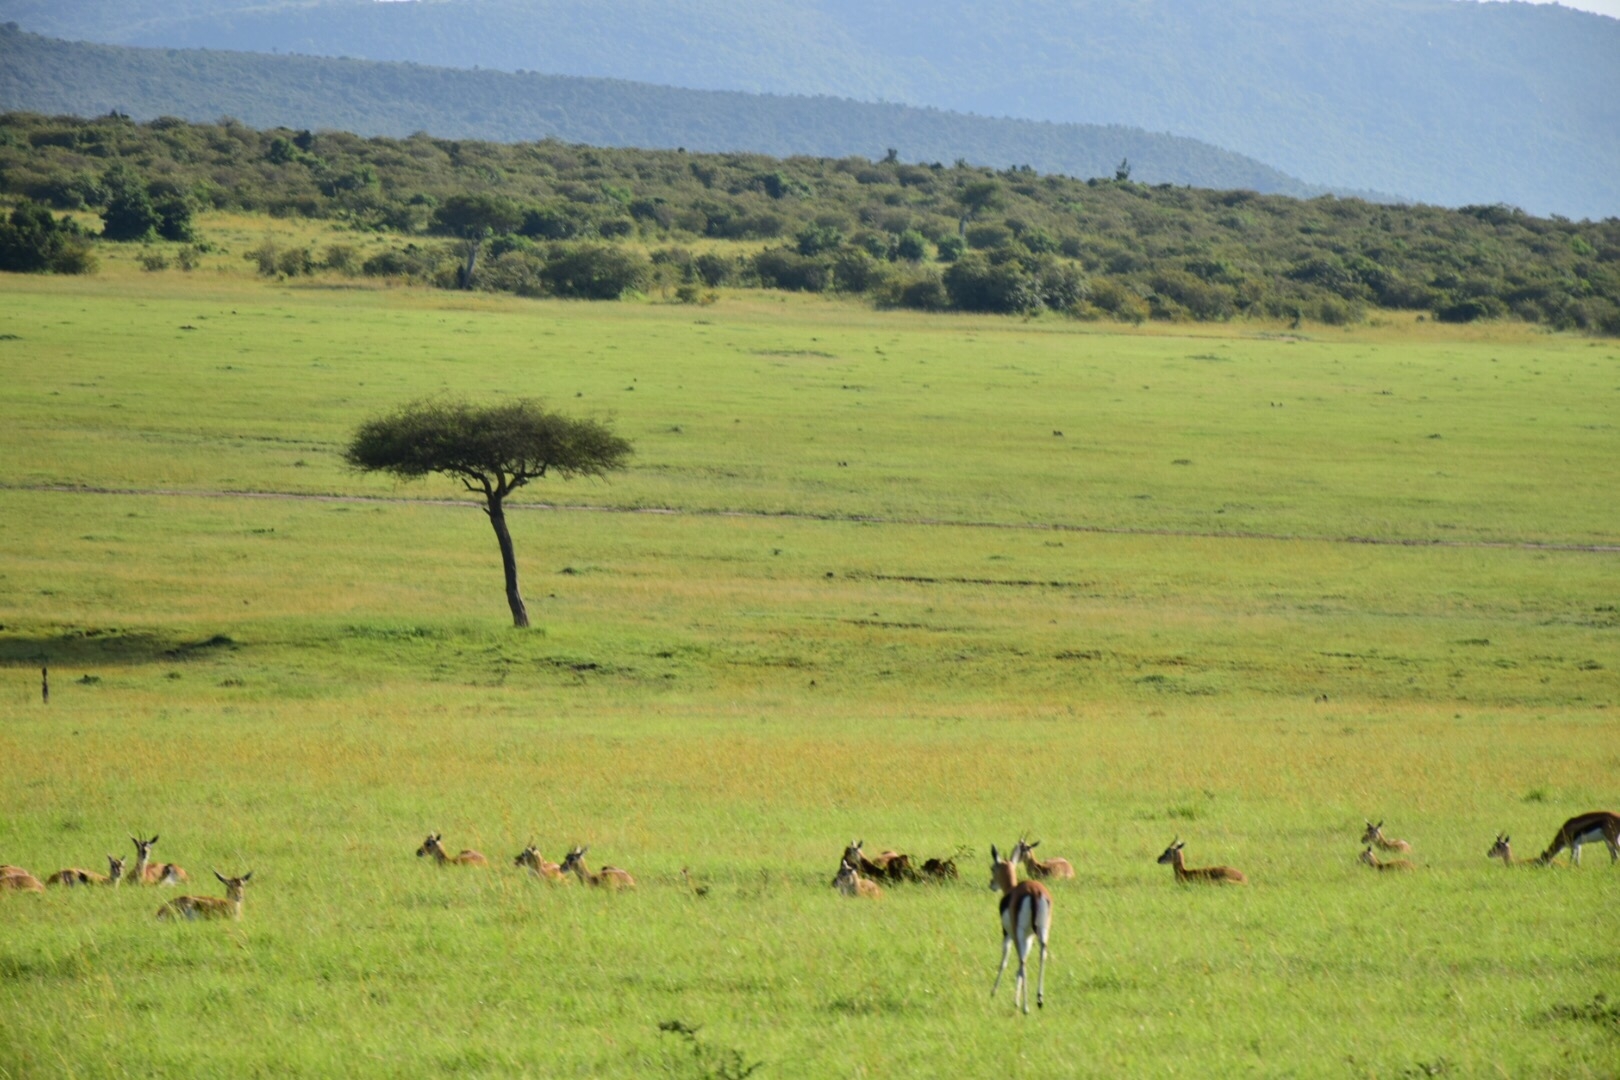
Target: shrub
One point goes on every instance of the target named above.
(341, 258)
(911, 245)
(153, 260)
(975, 284)
(34, 241)
(784, 268)
(594, 271)
(715, 269)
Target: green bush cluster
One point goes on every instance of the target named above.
(557, 219)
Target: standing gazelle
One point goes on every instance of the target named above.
(1376, 863)
(1024, 852)
(466, 857)
(1375, 836)
(610, 877)
(209, 907)
(1026, 913)
(1585, 828)
(74, 876)
(1204, 875)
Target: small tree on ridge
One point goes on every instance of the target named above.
(493, 450)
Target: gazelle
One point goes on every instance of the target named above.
(1375, 836)
(16, 879)
(467, 856)
(74, 876)
(1024, 853)
(209, 907)
(538, 865)
(1376, 863)
(610, 877)
(151, 873)
(1502, 850)
(850, 883)
(1026, 914)
(1584, 828)
(1206, 875)
(890, 865)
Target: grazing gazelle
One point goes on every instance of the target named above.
(1026, 913)
(1206, 875)
(467, 856)
(610, 877)
(16, 879)
(850, 883)
(1584, 828)
(538, 866)
(148, 872)
(1376, 863)
(1024, 852)
(209, 907)
(1375, 836)
(74, 876)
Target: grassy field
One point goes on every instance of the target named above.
(1263, 586)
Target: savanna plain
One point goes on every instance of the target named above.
(930, 582)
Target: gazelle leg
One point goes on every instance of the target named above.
(1006, 952)
(1040, 985)
(1575, 853)
(1023, 973)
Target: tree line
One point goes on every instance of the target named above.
(550, 218)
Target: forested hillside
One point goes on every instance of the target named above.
(1432, 99)
(44, 75)
(553, 219)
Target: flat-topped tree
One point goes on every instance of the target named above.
(493, 450)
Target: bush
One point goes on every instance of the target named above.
(975, 284)
(855, 271)
(341, 258)
(714, 269)
(594, 271)
(153, 260)
(911, 246)
(33, 241)
(784, 268)
(129, 214)
(1115, 299)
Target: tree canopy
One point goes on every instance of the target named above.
(493, 450)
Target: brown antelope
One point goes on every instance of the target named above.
(538, 865)
(850, 883)
(944, 869)
(74, 876)
(1026, 914)
(209, 907)
(151, 873)
(609, 877)
(1376, 863)
(1024, 853)
(16, 879)
(1375, 836)
(1204, 875)
(467, 856)
(1584, 828)
(890, 865)
(1502, 850)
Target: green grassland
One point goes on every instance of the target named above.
(1264, 585)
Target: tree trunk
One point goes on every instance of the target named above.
(466, 274)
(497, 520)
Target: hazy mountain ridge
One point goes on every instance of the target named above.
(371, 98)
(1449, 102)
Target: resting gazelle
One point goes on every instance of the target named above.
(209, 907)
(1376, 863)
(537, 865)
(1026, 914)
(72, 875)
(16, 879)
(1024, 853)
(1583, 829)
(1204, 875)
(466, 857)
(850, 883)
(1503, 850)
(148, 872)
(609, 877)
(1375, 836)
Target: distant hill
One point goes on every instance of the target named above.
(40, 74)
(1443, 101)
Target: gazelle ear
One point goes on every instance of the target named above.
(1380, 825)
(247, 877)
(1035, 845)
(1507, 839)
(995, 856)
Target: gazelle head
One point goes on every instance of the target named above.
(1003, 871)
(1500, 849)
(1172, 853)
(852, 854)
(574, 861)
(143, 848)
(115, 869)
(1368, 857)
(1023, 850)
(847, 876)
(234, 885)
(529, 856)
(1373, 833)
(430, 846)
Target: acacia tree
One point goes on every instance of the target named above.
(493, 450)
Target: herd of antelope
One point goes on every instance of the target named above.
(1026, 906)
